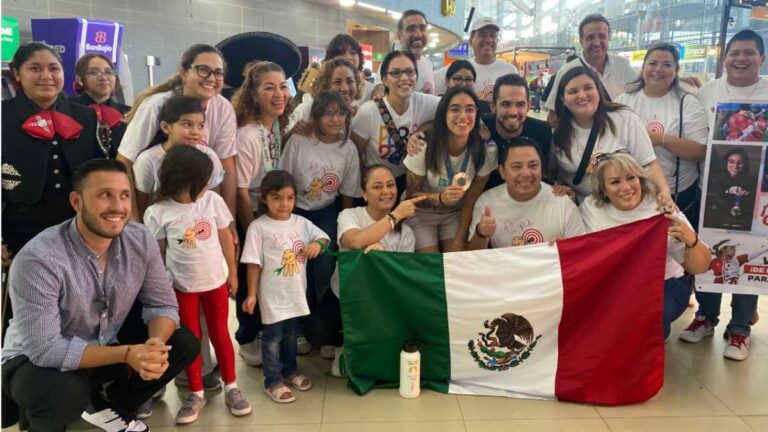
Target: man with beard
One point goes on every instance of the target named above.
(412, 33)
(522, 211)
(81, 290)
(483, 39)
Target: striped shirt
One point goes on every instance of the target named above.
(62, 301)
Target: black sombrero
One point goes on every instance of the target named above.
(242, 48)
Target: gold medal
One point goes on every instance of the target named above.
(462, 180)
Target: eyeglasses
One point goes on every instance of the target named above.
(606, 156)
(463, 81)
(98, 73)
(456, 111)
(204, 72)
(397, 73)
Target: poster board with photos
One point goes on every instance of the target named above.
(734, 207)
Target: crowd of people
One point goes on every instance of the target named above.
(127, 229)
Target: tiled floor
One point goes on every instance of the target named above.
(702, 392)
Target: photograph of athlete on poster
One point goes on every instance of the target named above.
(741, 122)
(734, 208)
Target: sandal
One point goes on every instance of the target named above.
(299, 381)
(277, 394)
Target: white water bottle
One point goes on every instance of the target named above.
(410, 370)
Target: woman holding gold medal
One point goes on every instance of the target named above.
(451, 173)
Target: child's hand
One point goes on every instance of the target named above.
(232, 282)
(249, 304)
(313, 250)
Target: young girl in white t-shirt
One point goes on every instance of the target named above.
(182, 121)
(325, 165)
(277, 247)
(192, 226)
(451, 173)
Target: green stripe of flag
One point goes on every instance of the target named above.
(373, 286)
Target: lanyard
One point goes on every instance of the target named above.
(449, 168)
(270, 150)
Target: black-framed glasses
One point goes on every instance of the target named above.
(98, 73)
(204, 72)
(607, 156)
(397, 73)
(463, 81)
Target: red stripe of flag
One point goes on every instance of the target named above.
(611, 343)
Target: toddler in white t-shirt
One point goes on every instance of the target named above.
(277, 247)
(192, 226)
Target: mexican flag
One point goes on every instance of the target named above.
(578, 321)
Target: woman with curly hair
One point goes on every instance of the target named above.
(337, 75)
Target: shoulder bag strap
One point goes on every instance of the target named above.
(586, 157)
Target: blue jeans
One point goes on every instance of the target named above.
(320, 269)
(743, 307)
(676, 293)
(278, 351)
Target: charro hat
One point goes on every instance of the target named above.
(240, 49)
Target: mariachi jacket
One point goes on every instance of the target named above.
(115, 133)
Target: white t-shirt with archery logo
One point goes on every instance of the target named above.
(322, 171)
(537, 220)
(249, 160)
(358, 218)
(630, 134)
(607, 216)
(193, 253)
(437, 181)
(278, 248)
(662, 115)
(381, 149)
(146, 170)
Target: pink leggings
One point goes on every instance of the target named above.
(215, 305)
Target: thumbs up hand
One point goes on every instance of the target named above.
(487, 225)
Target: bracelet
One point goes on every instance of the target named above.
(695, 242)
(440, 198)
(127, 350)
(392, 220)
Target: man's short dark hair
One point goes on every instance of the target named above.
(590, 19)
(747, 35)
(517, 142)
(86, 168)
(406, 14)
(510, 80)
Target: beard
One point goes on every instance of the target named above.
(90, 221)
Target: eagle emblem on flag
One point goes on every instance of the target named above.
(508, 341)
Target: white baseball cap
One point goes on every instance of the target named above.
(484, 22)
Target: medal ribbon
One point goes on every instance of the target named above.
(449, 168)
(270, 163)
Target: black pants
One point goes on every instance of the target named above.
(49, 399)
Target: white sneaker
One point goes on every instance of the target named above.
(302, 345)
(339, 366)
(327, 351)
(111, 420)
(697, 330)
(737, 348)
(251, 352)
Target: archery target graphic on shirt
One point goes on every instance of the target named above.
(532, 236)
(298, 250)
(654, 126)
(201, 231)
(331, 182)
